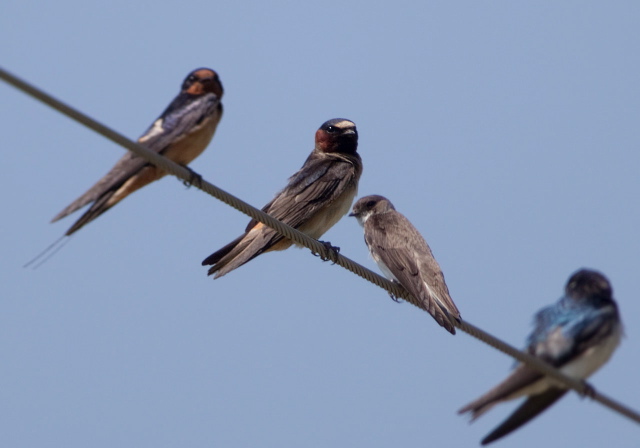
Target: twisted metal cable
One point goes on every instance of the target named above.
(316, 247)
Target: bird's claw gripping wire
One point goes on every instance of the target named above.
(194, 179)
(330, 252)
(393, 296)
(588, 391)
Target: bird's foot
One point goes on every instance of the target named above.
(393, 296)
(588, 391)
(194, 178)
(329, 253)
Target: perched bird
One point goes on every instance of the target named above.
(577, 335)
(405, 257)
(315, 198)
(181, 133)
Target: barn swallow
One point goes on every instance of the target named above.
(315, 198)
(404, 256)
(181, 133)
(577, 335)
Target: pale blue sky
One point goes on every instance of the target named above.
(507, 132)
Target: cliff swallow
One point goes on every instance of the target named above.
(578, 334)
(181, 133)
(315, 198)
(405, 257)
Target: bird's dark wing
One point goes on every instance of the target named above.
(408, 256)
(318, 184)
(564, 331)
(183, 117)
(174, 124)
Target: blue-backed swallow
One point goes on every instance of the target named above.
(403, 255)
(315, 198)
(181, 133)
(577, 335)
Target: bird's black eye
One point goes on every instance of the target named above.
(370, 204)
(332, 129)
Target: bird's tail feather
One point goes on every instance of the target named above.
(478, 407)
(527, 411)
(240, 251)
(83, 200)
(97, 208)
(47, 253)
(221, 258)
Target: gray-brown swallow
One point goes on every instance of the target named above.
(181, 133)
(577, 335)
(315, 198)
(405, 257)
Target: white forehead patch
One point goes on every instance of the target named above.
(344, 124)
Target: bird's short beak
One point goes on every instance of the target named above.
(352, 215)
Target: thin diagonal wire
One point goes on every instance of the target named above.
(315, 246)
